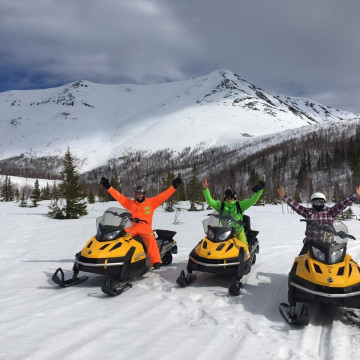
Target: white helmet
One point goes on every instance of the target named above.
(318, 195)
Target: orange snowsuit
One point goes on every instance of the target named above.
(144, 211)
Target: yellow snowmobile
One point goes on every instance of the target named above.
(221, 252)
(323, 273)
(113, 252)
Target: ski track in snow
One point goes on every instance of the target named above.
(156, 318)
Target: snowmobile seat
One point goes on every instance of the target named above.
(166, 235)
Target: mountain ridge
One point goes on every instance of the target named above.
(101, 122)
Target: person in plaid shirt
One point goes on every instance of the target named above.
(318, 212)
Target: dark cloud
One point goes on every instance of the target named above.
(304, 48)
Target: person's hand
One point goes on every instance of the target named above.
(358, 191)
(281, 191)
(176, 182)
(205, 183)
(259, 186)
(105, 182)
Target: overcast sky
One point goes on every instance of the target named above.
(307, 48)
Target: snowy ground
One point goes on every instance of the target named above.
(156, 319)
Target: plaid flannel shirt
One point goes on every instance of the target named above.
(326, 215)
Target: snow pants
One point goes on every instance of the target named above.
(151, 245)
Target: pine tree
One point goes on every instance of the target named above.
(171, 202)
(193, 190)
(103, 195)
(115, 183)
(17, 194)
(254, 177)
(71, 191)
(46, 192)
(297, 197)
(91, 197)
(54, 195)
(180, 194)
(35, 196)
(23, 200)
(338, 193)
(7, 191)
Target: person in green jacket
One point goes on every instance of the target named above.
(229, 205)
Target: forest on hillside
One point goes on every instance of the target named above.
(325, 159)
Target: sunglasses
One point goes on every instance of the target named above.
(318, 202)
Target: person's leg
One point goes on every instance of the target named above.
(152, 247)
(241, 236)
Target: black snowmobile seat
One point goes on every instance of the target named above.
(165, 234)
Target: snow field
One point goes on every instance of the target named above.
(156, 319)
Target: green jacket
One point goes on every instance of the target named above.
(231, 209)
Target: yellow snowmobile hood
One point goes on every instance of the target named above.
(223, 250)
(118, 248)
(341, 275)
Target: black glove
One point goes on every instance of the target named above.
(258, 187)
(176, 182)
(105, 182)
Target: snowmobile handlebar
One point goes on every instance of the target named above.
(328, 228)
(228, 218)
(137, 221)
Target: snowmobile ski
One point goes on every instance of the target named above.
(114, 288)
(295, 315)
(235, 288)
(185, 280)
(66, 283)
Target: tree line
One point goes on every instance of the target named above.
(325, 159)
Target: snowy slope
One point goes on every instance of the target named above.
(99, 122)
(156, 319)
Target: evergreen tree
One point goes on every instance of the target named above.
(254, 177)
(193, 190)
(302, 176)
(17, 194)
(46, 192)
(54, 192)
(297, 197)
(103, 194)
(115, 183)
(180, 194)
(71, 191)
(35, 196)
(171, 202)
(7, 191)
(338, 193)
(91, 197)
(23, 200)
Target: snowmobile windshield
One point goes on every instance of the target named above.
(119, 218)
(216, 221)
(334, 234)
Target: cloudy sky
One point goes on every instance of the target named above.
(307, 48)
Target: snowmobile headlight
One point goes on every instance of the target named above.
(211, 235)
(224, 236)
(336, 256)
(318, 254)
(112, 235)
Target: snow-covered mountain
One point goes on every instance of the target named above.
(100, 122)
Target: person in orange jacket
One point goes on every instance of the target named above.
(143, 208)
